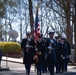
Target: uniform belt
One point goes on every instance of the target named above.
(51, 52)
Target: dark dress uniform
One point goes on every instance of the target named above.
(51, 55)
(41, 55)
(44, 65)
(58, 56)
(65, 56)
(28, 47)
(69, 50)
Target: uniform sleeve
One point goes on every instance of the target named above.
(69, 49)
(33, 43)
(23, 44)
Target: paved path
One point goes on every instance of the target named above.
(17, 68)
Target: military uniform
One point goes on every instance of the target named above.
(28, 52)
(69, 50)
(41, 54)
(51, 53)
(58, 55)
(65, 55)
(28, 47)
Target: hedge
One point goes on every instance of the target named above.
(10, 47)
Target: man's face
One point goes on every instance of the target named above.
(62, 40)
(28, 35)
(51, 35)
(59, 40)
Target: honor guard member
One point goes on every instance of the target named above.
(27, 46)
(58, 54)
(65, 55)
(44, 65)
(69, 49)
(51, 54)
(41, 54)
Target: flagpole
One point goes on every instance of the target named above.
(41, 16)
(37, 7)
(36, 26)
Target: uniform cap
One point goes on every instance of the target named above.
(57, 37)
(51, 32)
(62, 38)
(28, 33)
(40, 36)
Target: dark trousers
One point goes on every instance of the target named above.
(65, 63)
(58, 64)
(51, 68)
(27, 67)
(44, 66)
(51, 63)
(39, 69)
(57, 68)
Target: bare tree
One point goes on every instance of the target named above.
(75, 31)
(31, 17)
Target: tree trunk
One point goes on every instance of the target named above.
(68, 28)
(31, 17)
(75, 34)
(75, 39)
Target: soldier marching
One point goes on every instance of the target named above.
(46, 54)
(28, 48)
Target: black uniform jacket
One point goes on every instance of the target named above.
(28, 52)
(41, 46)
(65, 52)
(58, 52)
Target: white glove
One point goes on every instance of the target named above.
(69, 56)
(29, 39)
(36, 49)
(49, 47)
(63, 57)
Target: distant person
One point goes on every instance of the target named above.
(41, 54)
(51, 53)
(58, 54)
(69, 49)
(28, 47)
(65, 55)
(1, 54)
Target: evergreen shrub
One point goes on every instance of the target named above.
(10, 47)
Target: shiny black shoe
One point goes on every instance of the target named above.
(27, 73)
(51, 73)
(38, 73)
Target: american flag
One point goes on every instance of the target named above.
(37, 27)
